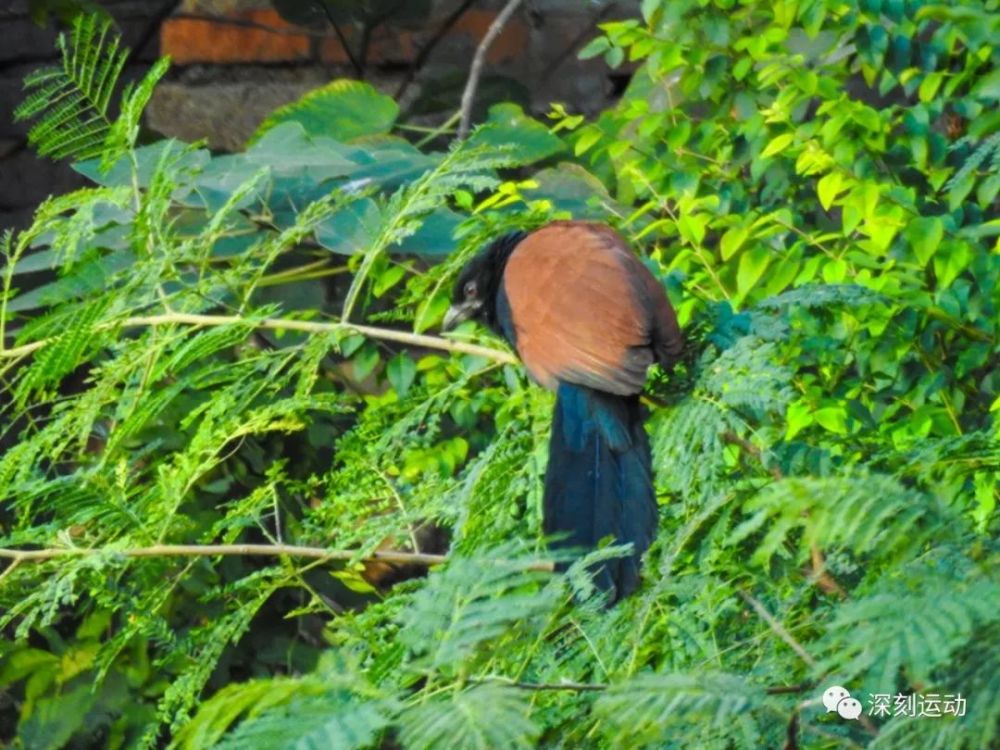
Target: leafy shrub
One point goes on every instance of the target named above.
(816, 184)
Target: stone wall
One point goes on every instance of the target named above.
(236, 60)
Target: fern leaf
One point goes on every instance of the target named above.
(642, 711)
(869, 636)
(865, 513)
(480, 718)
(73, 101)
(472, 602)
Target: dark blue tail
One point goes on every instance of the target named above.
(599, 480)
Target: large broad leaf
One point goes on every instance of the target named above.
(572, 188)
(435, 238)
(85, 278)
(388, 161)
(508, 127)
(288, 149)
(220, 178)
(146, 158)
(343, 109)
(352, 229)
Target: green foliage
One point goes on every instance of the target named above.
(342, 109)
(207, 349)
(73, 101)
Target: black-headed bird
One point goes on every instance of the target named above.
(587, 318)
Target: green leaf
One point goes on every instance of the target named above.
(777, 145)
(829, 188)
(732, 241)
(593, 48)
(352, 229)
(641, 711)
(526, 139)
(435, 238)
(950, 260)
(799, 416)
(478, 718)
(648, 8)
(571, 188)
(832, 418)
(692, 227)
(751, 268)
(924, 234)
(401, 372)
(343, 109)
(988, 87)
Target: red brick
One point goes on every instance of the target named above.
(387, 46)
(512, 43)
(190, 40)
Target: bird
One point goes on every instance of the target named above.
(587, 319)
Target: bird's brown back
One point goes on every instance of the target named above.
(586, 310)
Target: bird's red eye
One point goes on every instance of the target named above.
(470, 290)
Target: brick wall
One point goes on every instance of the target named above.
(236, 60)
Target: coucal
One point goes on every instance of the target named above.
(587, 319)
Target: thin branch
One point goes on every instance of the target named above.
(286, 324)
(265, 550)
(579, 687)
(823, 579)
(469, 95)
(777, 627)
(582, 687)
(750, 449)
(359, 69)
(152, 28)
(432, 43)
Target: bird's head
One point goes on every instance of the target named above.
(475, 293)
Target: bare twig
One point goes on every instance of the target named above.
(432, 43)
(750, 449)
(264, 550)
(152, 28)
(359, 68)
(578, 687)
(777, 627)
(469, 95)
(789, 689)
(824, 580)
(286, 324)
(582, 687)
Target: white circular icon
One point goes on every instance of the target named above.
(838, 700)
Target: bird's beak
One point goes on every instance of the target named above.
(457, 313)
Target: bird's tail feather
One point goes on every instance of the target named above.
(599, 480)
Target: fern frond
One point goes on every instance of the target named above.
(73, 101)
(974, 674)
(717, 707)
(315, 719)
(473, 603)
(868, 636)
(484, 716)
(867, 513)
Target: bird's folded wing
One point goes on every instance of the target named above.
(585, 310)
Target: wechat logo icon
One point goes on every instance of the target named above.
(837, 699)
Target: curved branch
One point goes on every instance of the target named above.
(469, 95)
(286, 324)
(266, 550)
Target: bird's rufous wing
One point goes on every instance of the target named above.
(585, 310)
